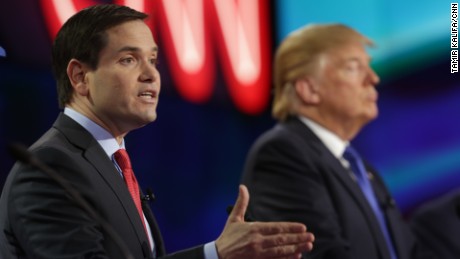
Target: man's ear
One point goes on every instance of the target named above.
(76, 71)
(307, 90)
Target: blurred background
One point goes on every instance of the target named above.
(215, 63)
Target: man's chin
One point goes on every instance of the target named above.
(372, 116)
(143, 121)
(151, 118)
(369, 116)
(372, 112)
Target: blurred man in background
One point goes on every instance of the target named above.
(304, 168)
(437, 225)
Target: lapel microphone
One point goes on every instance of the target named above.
(20, 152)
(149, 196)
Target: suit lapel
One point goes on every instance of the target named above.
(353, 188)
(390, 210)
(159, 244)
(343, 175)
(97, 157)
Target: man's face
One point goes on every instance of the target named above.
(124, 89)
(347, 86)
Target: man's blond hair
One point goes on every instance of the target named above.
(300, 55)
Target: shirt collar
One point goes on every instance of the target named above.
(102, 136)
(332, 142)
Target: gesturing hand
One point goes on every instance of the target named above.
(241, 239)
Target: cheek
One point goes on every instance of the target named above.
(108, 91)
(116, 85)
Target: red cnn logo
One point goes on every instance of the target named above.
(193, 30)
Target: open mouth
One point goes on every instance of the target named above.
(148, 94)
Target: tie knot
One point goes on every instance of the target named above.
(355, 162)
(122, 158)
(350, 154)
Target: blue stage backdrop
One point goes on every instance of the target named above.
(192, 156)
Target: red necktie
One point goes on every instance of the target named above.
(122, 158)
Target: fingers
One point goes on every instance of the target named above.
(285, 251)
(287, 244)
(296, 256)
(272, 228)
(287, 239)
(237, 214)
(259, 240)
(247, 240)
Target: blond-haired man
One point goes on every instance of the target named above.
(304, 168)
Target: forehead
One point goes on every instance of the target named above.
(349, 53)
(132, 33)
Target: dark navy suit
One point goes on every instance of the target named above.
(39, 220)
(292, 176)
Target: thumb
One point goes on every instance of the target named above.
(238, 211)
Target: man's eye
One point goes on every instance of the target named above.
(127, 61)
(353, 67)
(154, 61)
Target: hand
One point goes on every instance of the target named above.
(241, 239)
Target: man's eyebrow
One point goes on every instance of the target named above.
(356, 59)
(135, 49)
(352, 59)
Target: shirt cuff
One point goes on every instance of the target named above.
(210, 251)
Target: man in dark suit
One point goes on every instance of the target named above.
(437, 225)
(324, 94)
(104, 59)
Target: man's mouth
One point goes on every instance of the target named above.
(148, 94)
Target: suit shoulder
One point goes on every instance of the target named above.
(281, 135)
(191, 253)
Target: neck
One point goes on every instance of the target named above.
(345, 129)
(88, 113)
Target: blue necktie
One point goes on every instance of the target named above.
(357, 166)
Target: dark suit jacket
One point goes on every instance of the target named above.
(292, 176)
(39, 220)
(437, 225)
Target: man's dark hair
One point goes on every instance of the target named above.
(83, 37)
